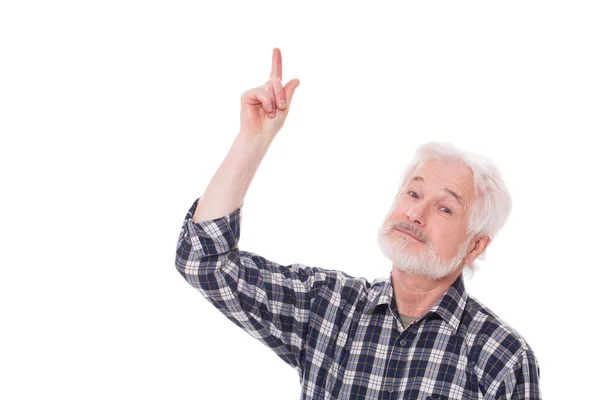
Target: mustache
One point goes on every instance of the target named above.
(410, 228)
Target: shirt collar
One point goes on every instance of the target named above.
(449, 306)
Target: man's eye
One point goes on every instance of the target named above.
(410, 193)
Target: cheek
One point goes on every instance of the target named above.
(398, 211)
(447, 244)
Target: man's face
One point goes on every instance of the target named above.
(433, 205)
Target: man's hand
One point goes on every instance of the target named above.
(265, 108)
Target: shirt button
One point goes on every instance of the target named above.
(390, 389)
(403, 343)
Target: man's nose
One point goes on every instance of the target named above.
(415, 215)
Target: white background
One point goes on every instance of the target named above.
(114, 116)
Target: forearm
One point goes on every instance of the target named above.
(227, 188)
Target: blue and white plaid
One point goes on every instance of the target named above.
(343, 334)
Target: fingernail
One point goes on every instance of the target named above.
(282, 104)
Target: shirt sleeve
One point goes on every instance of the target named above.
(521, 380)
(269, 301)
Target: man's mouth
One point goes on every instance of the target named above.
(407, 233)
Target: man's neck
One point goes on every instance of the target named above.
(416, 294)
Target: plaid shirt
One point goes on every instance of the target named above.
(343, 334)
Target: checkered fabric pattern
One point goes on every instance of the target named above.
(343, 334)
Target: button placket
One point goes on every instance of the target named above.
(390, 382)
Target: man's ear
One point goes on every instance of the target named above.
(477, 248)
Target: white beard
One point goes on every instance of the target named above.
(426, 263)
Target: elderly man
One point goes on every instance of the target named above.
(415, 334)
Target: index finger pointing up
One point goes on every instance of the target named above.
(276, 63)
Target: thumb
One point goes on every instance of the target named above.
(289, 90)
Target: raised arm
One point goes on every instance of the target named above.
(270, 301)
(263, 112)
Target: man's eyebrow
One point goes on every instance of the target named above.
(450, 191)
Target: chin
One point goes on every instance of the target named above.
(423, 263)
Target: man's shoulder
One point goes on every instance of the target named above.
(333, 280)
(495, 345)
(343, 282)
(486, 325)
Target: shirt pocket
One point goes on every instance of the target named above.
(435, 396)
(426, 397)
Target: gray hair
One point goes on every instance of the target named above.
(492, 205)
